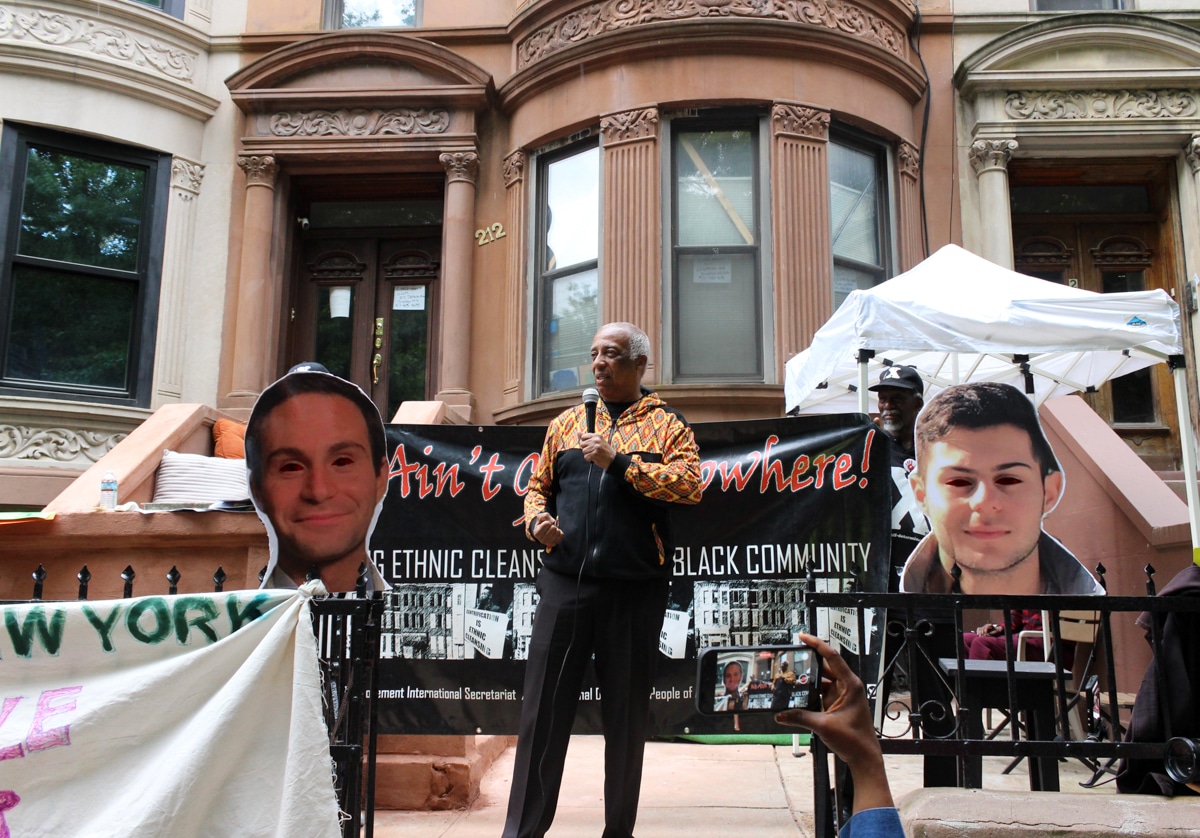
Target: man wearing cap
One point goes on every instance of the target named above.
(317, 462)
(900, 392)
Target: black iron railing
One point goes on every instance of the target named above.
(938, 714)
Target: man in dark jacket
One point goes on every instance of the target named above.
(600, 502)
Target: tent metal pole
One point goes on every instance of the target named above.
(864, 398)
(1187, 442)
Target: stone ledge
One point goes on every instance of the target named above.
(954, 813)
(433, 782)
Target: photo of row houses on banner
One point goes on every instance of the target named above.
(783, 499)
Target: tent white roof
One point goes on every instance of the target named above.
(957, 317)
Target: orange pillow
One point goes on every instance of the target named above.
(229, 439)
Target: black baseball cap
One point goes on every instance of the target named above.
(900, 376)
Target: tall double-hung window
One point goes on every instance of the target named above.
(80, 260)
(1081, 5)
(567, 265)
(367, 14)
(858, 201)
(174, 8)
(716, 250)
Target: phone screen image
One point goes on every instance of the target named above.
(750, 679)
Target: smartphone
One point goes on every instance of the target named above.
(757, 679)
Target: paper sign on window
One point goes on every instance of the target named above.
(408, 298)
(713, 270)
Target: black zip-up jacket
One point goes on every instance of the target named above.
(615, 521)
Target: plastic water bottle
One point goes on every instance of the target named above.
(108, 491)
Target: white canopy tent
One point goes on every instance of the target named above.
(957, 318)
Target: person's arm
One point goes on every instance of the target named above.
(674, 480)
(845, 726)
(540, 522)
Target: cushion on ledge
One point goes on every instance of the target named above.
(192, 478)
(229, 439)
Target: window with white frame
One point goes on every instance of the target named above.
(1081, 5)
(716, 262)
(80, 260)
(174, 8)
(367, 14)
(567, 265)
(858, 214)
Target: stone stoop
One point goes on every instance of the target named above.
(955, 813)
(433, 773)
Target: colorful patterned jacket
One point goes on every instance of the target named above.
(616, 522)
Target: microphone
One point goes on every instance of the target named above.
(590, 396)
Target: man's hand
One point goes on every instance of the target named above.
(597, 450)
(545, 529)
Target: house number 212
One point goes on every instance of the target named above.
(489, 234)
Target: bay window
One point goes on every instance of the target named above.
(80, 261)
(567, 266)
(716, 250)
(858, 214)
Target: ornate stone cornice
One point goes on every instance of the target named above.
(60, 445)
(1192, 152)
(800, 121)
(1101, 104)
(909, 158)
(461, 165)
(97, 38)
(612, 15)
(337, 264)
(991, 154)
(260, 170)
(627, 126)
(514, 167)
(186, 177)
(359, 122)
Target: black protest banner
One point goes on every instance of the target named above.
(783, 498)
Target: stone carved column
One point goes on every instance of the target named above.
(186, 177)
(990, 159)
(251, 342)
(514, 280)
(800, 226)
(912, 242)
(458, 255)
(632, 225)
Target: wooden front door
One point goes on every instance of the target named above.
(363, 309)
(1112, 254)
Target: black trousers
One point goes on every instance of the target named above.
(619, 622)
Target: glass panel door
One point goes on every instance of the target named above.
(364, 308)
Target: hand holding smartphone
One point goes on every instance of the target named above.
(757, 679)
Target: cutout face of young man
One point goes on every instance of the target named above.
(985, 497)
(319, 486)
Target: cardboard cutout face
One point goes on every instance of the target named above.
(314, 478)
(985, 489)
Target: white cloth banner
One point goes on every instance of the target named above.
(190, 715)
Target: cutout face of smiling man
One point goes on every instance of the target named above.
(315, 451)
(985, 478)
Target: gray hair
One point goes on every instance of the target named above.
(639, 341)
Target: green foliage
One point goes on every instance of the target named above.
(81, 210)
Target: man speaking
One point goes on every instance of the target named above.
(600, 502)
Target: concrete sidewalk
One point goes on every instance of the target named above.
(688, 790)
